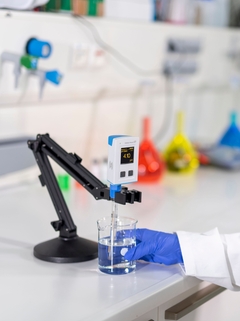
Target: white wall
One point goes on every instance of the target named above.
(94, 102)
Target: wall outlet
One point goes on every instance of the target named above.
(87, 56)
(97, 57)
(80, 54)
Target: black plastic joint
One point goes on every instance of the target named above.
(79, 159)
(130, 197)
(42, 181)
(137, 196)
(74, 158)
(126, 196)
(34, 145)
(57, 225)
(71, 158)
(120, 198)
(103, 193)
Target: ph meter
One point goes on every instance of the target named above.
(122, 161)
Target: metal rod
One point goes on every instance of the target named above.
(113, 231)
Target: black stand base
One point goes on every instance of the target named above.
(64, 250)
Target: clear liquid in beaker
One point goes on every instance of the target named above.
(120, 265)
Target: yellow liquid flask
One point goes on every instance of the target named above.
(180, 156)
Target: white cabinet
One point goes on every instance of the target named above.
(224, 306)
(149, 316)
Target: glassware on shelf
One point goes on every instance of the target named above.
(151, 165)
(88, 7)
(180, 156)
(64, 180)
(231, 137)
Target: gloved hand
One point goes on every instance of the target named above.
(154, 246)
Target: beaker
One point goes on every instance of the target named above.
(111, 251)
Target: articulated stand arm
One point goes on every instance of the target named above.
(65, 223)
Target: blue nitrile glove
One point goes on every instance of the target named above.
(154, 246)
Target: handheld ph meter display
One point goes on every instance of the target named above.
(122, 161)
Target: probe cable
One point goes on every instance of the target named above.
(139, 71)
(168, 110)
(115, 53)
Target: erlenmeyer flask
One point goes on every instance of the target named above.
(231, 137)
(180, 155)
(151, 165)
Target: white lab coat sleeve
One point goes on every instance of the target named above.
(232, 244)
(212, 257)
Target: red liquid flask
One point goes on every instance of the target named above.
(150, 167)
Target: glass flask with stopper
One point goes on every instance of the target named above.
(180, 155)
(151, 165)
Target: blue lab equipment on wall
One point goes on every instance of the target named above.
(54, 76)
(34, 50)
(37, 48)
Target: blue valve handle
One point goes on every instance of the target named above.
(154, 246)
(38, 48)
(54, 76)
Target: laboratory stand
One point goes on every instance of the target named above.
(69, 247)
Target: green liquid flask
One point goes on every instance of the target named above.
(180, 156)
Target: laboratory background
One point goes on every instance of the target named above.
(73, 73)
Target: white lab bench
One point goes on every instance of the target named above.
(31, 289)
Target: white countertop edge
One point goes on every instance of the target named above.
(152, 297)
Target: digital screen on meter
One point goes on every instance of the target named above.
(127, 155)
